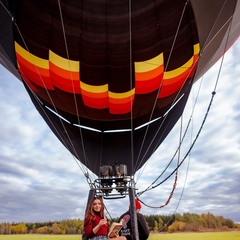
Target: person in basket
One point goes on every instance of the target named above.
(96, 226)
(126, 230)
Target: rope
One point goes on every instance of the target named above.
(159, 89)
(41, 104)
(176, 174)
(189, 150)
(215, 22)
(181, 195)
(131, 85)
(74, 95)
(203, 122)
(184, 135)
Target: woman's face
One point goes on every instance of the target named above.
(97, 205)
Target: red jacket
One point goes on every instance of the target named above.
(89, 225)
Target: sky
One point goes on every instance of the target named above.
(41, 181)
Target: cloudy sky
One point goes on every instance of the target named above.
(41, 181)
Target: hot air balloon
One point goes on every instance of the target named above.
(112, 78)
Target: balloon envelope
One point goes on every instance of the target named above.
(111, 78)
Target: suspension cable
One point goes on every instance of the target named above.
(74, 95)
(204, 119)
(180, 143)
(215, 22)
(131, 79)
(159, 89)
(189, 150)
(230, 19)
(41, 104)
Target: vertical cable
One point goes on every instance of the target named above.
(131, 80)
(52, 102)
(74, 95)
(159, 89)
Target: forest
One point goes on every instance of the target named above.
(186, 222)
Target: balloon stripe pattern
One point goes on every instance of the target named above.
(58, 72)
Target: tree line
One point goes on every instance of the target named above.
(156, 223)
(190, 222)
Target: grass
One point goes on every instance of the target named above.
(197, 236)
(235, 235)
(40, 237)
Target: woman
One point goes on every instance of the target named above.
(95, 223)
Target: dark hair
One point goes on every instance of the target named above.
(90, 213)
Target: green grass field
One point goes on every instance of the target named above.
(197, 236)
(164, 236)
